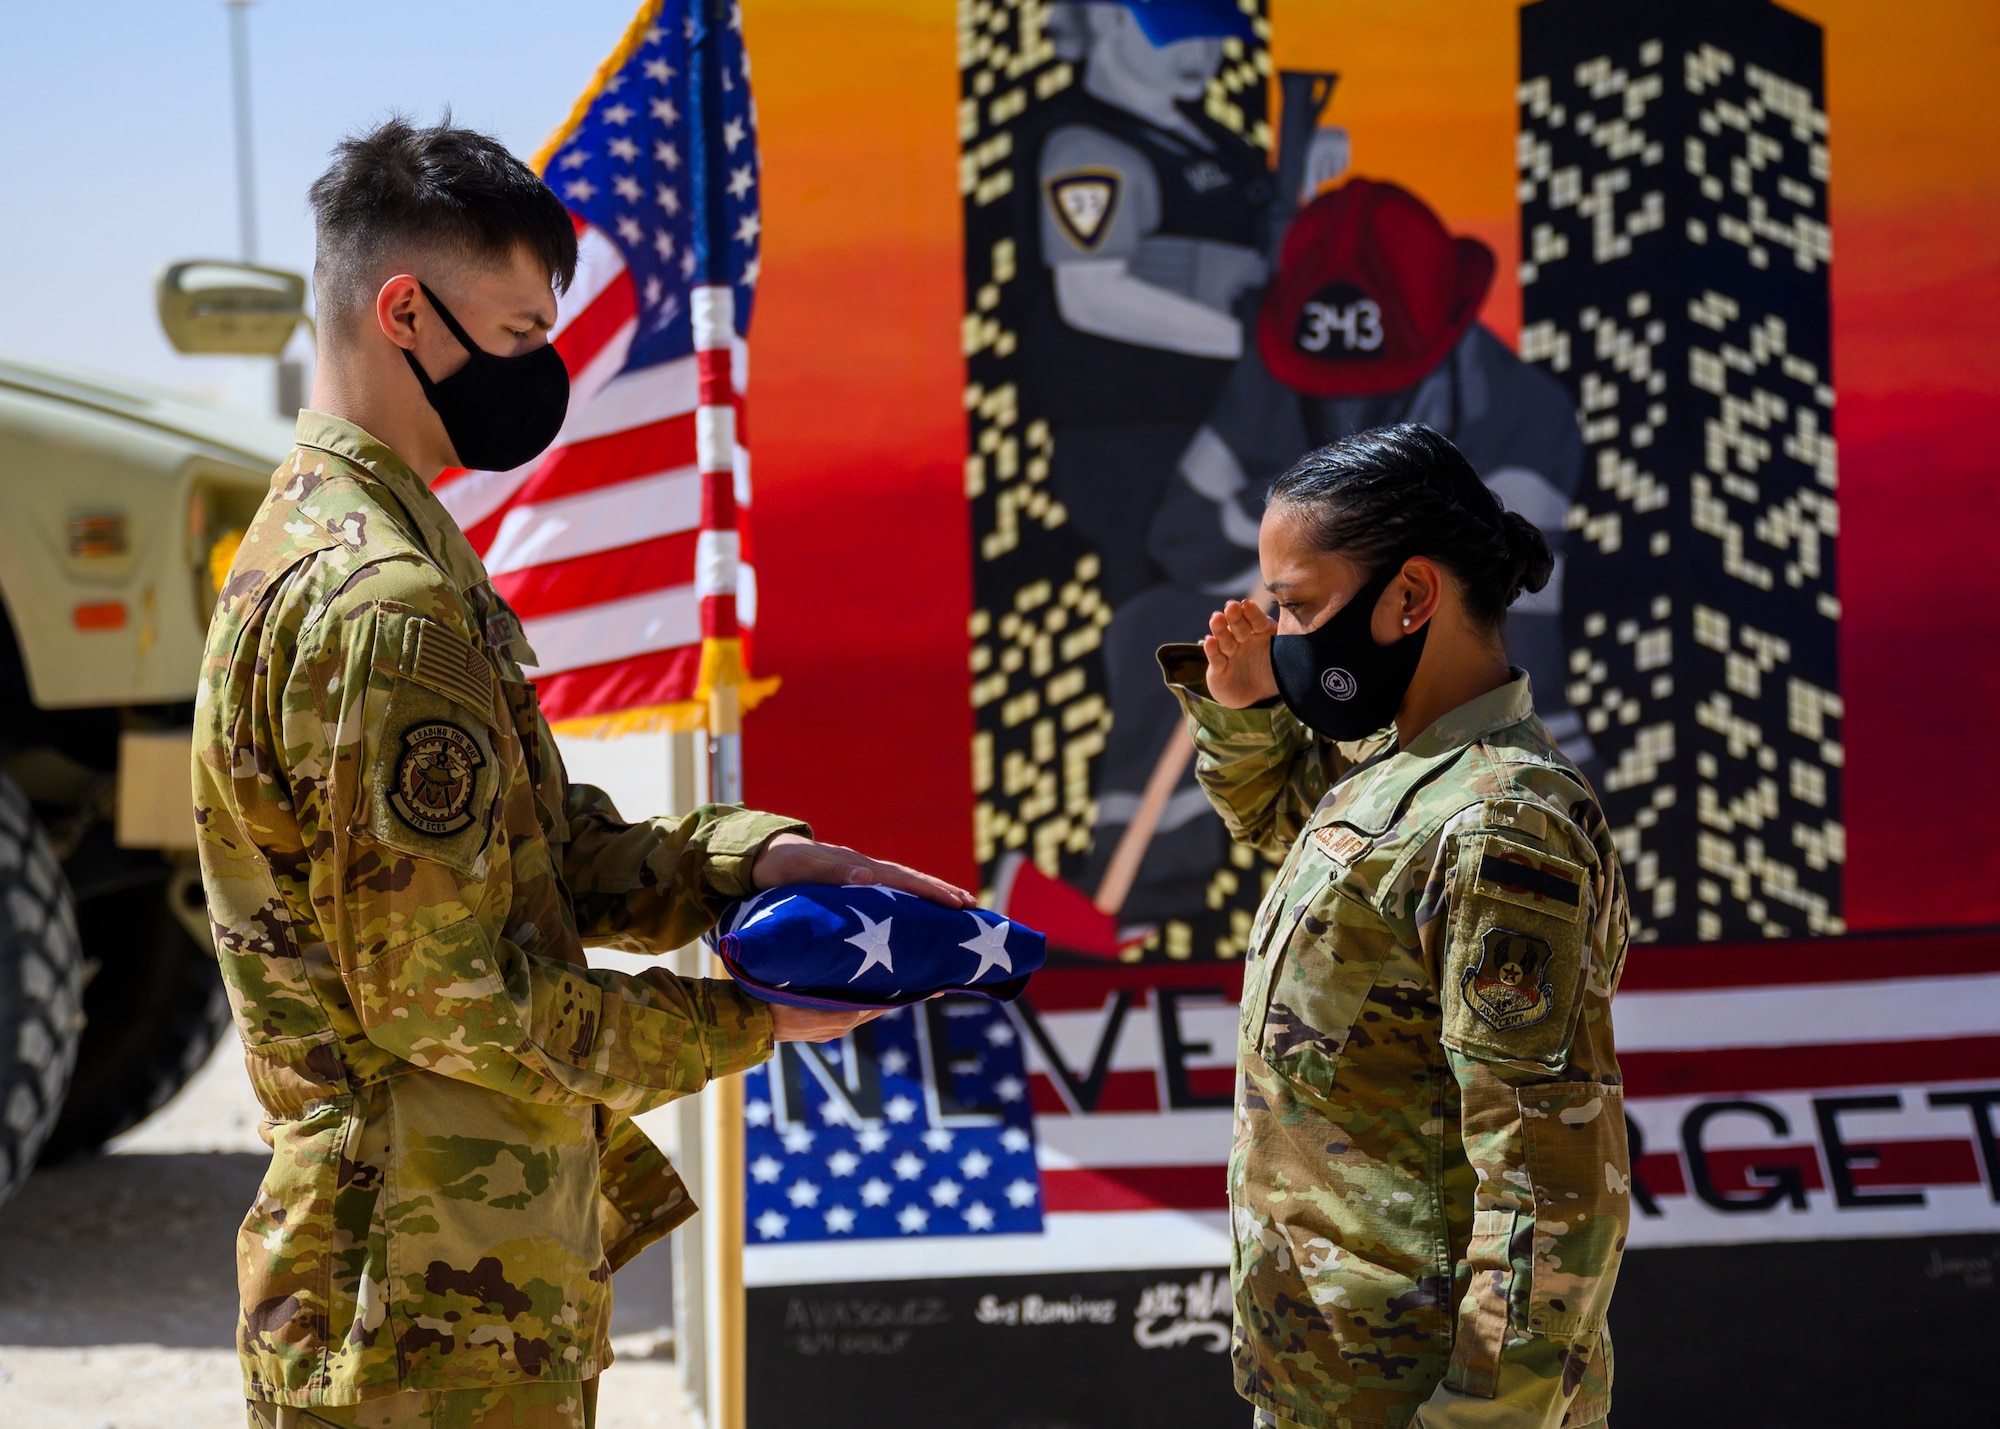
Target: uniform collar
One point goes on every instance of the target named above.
(1494, 710)
(1371, 797)
(375, 464)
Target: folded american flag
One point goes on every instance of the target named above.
(865, 945)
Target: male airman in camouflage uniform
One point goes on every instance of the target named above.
(1429, 1183)
(401, 881)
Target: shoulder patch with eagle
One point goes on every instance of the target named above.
(435, 778)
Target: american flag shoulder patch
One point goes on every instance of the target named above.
(446, 662)
(1516, 872)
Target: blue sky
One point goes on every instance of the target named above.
(116, 128)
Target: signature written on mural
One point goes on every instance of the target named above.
(1171, 1315)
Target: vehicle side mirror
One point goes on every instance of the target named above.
(209, 306)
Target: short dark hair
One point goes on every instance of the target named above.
(439, 190)
(1396, 492)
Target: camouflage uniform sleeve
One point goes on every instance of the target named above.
(659, 883)
(1263, 771)
(1529, 940)
(391, 729)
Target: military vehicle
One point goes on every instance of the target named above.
(120, 509)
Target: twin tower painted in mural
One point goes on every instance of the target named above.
(1170, 301)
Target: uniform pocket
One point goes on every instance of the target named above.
(1519, 941)
(284, 1250)
(496, 1264)
(1582, 1178)
(1316, 986)
(432, 778)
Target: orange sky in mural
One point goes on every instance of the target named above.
(858, 432)
(1427, 93)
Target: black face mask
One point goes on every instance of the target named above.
(1336, 679)
(499, 412)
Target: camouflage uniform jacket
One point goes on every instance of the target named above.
(1429, 1182)
(401, 881)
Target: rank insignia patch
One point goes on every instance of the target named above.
(1083, 204)
(1519, 875)
(1508, 987)
(435, 778)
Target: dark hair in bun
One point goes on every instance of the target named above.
(1403, 491)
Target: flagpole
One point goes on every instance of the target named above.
(713, 311)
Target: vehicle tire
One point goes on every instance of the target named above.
(41, 984)
(152, 1012)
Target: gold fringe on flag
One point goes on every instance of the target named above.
(635, 36)
(721, 664)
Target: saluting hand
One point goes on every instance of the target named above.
(1238, 647)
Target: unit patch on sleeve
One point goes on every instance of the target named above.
(435, 778)
(1508, 986)
(1083, 204)
(1516, 955)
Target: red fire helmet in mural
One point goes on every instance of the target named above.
(1371, 293)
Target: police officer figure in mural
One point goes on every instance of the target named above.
(1149, 223)
(402, 878)
(1372, 319)
(1430, 1182)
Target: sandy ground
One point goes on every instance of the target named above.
(118, 1292)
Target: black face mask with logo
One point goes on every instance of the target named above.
(499, 412)
(1336, 679)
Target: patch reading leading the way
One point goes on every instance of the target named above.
(1508, 987)
(435, 778)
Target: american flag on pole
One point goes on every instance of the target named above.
(623, 547)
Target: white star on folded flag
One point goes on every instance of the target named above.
(873, 940)
(989, 945)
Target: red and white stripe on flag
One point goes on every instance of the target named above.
(1811, 1090)
(623, 545)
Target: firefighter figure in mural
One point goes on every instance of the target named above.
(1371, 320)
(1181, 369)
